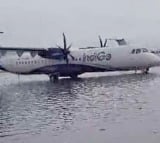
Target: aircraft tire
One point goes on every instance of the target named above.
(146, 71)
(75, 76)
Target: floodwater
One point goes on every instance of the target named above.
(98, 108)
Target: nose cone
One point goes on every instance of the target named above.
(1, 67)
(155, 60)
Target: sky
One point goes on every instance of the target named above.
(40, 23)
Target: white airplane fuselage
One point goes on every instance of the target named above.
(86, 60)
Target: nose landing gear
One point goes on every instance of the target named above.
(145, 71)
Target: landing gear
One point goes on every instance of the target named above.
(136, 71)
(54, 77)
(145, 71)
(74, 76)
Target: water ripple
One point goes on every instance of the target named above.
(32, 107)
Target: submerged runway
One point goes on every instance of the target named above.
(97, 108)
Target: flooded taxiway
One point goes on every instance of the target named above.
(98, 108)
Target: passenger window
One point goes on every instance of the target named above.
(138, 51)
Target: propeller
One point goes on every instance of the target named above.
(101, 42)
(66, 49)
(1, 32)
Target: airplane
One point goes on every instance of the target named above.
(63, 62)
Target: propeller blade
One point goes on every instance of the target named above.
(66, 49)
(101, 42)
(60, 48)
(69, 47)
(66, 58)
(1, 32)
(67, 61)
(64, 41)
(72, 57)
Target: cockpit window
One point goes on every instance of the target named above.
(145, 50)
(138, 51)
(133, 51)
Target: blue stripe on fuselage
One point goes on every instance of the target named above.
(70, 69)
(67, 70)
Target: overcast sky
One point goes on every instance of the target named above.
(41, 22)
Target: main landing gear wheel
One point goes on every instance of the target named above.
(146, 71)
(54, 77)
(74, 76)
(136, 71)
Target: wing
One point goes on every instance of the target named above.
(49, 53)
(21, 50)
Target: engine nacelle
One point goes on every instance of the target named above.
(52, 53)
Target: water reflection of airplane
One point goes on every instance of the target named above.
(63, 62)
